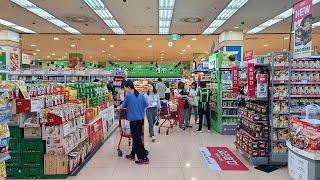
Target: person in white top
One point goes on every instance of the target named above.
(193, 100)
(154, 103)
(161, 88)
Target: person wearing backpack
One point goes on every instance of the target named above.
(204, 107)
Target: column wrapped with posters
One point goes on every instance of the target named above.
(235, 79)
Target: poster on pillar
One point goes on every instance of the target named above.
(235, 79)
(13, 59)
(251, 81)
(302, 29)
(248, 55)
(262, 85)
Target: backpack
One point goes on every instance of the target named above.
(204, 96)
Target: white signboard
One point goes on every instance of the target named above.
(297, 167)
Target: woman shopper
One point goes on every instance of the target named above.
(193, 100)
(153, 100)
(204, 108)
(135, 103)
(181, 92)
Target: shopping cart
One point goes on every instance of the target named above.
(171, 116)
(125, 132)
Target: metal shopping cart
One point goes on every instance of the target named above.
(170, 115)
(125, 132)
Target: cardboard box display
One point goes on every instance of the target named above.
(55, 164)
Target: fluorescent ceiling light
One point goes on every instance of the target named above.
(225, 14)
(56, 38)
(45, 15)
(166, 8)
(102, 11)
(14, 26)
(278, 18)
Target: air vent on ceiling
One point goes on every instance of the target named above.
(191, 19)
(79, 19)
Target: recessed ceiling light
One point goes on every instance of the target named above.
(118, 59)
(33, 45)
(34, 53)
(109, 54)
(162, 51)
(237, 27)
(102, 39)
(73, 45)
(150, 46)
(183, 50)
(56, 38)
(53, 54)
(111, 45)
(114, 57)
(139, 57)
(48, 56)
(45, 15)
(265, 45)
(181, 53)
(103, 51)
(90, 57)
(194, 39)
(188, 46)
(148, 39)
(38, 50)
(286, 38)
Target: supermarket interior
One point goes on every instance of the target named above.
(195, 90)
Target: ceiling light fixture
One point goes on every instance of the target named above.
(278, 18)
(38, 50)
(45, 15)
(14, 26)
(111, 45)
(237, 27)
(102, 39)
(194, 39)
(56, 38)
(48, 56)
(73, 45)
(53, 54)
(166, 8)
(266, 45)
(286, 38)
(226, 13)
(109, 54)
(183, 50)
(148, 39)
(188, 46)
(139, 57)
(103, 51)
(33, 45)
(102, 11)
(150, 46)
(34, 53)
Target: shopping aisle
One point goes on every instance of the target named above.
(172, 157)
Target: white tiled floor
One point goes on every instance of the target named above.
(172, 157)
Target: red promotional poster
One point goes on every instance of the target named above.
(302, 29)
(251, 80)
(248, 55)
(235, 79)
(262, 85)
(225, 159)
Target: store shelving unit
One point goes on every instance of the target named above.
(279, 109)
(253, 123)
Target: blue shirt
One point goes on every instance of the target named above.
(135, 106)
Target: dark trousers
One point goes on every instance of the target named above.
(137, 144)
(204, 110)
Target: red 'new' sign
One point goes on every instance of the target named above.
(235, 79)
(251, 80)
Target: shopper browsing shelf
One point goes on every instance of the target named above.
(193, 100)
(154, 103)
(161, 88)
(135, 103)
(167, 94)
(121, 93)
(204, 108)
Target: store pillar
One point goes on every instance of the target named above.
(10, 54)
(232, 41)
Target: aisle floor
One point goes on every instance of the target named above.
(172, 157)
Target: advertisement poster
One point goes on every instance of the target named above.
(213, 64)
(297, 167)
(221, 158)
(235, 79)
(248, 55)
(302, 29)
(251, 81)
(262, 85)
(13, 64)
(75, 59)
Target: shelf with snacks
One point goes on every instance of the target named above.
(279, 111)
(60, 136)
(253, 122)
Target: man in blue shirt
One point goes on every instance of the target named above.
(135, 103)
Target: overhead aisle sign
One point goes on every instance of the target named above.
(302, 29)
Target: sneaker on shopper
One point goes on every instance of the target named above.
(153, 138)
(142, 161)
(209, 131)
(130, 157)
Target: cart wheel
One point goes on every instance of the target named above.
(120, 153)
(147, 152)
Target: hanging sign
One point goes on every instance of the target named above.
(302, 29)
(235, 79)
(175, 37)
(248, 55)
(262, 85)
(251, 78)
